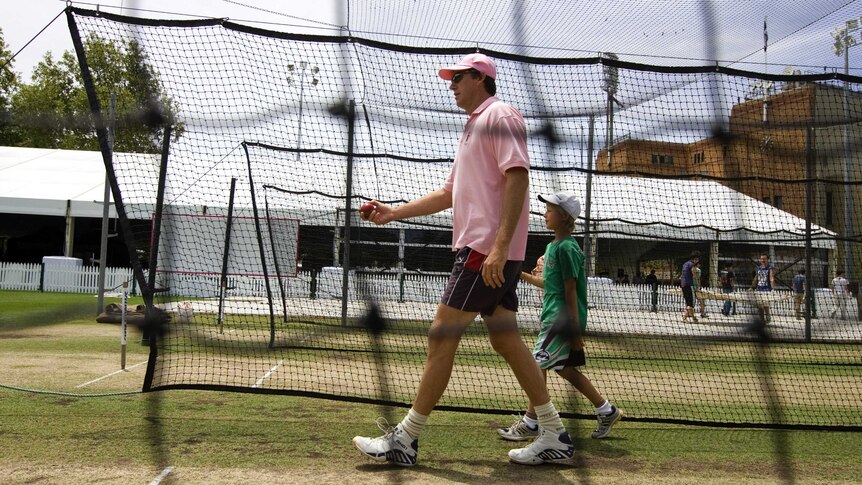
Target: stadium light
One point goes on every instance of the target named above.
(844, 40)
(301, 76)
(610, 76)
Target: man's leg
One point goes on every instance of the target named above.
(507, 341)
(443, 339)
(400, 444)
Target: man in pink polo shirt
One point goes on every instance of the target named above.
(487, 190)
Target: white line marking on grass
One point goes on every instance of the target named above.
(164, 474)
(111, 374)
(268, 373)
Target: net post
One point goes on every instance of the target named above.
(106, 210)
(123, 325)
(275, 262)
(588, 223)
(259, 236)
(224, 261)
(348, 200)
(807, 294)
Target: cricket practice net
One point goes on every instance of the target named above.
(243, 224)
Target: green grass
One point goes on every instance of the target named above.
(26, 309)
(218, 437)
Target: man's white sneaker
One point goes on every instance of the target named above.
(549, 447)
(519, 431)
(605, 423)
(395, 446)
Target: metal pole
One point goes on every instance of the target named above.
(348, 211)
(808, 296)
(226, 256)
(106, 211)
(609, 142)
(123, 325)
(848, 191)
(301, 93)
(581, 143)
(588, 222)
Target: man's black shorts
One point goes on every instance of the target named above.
(466, 291)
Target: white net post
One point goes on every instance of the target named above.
(123, 325)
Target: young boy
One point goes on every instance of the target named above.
(565, 284)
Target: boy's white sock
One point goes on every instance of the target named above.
(605, 408)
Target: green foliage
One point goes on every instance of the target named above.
(9, 83)
(54, 111)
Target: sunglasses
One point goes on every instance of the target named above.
(458, 76)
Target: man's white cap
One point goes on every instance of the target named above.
(566, 200)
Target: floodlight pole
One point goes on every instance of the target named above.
(611, 76)
(843, 42)
(303, 65)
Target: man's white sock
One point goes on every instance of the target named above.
(414, 423)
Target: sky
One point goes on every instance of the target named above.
(22, 20)
(644, 31)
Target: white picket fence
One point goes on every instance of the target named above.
(69, 279)
(389, 287)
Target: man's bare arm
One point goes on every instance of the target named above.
(430, 203)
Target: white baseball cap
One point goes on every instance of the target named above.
(566, 200)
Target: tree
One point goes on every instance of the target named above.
(54, 112)
(9, 83)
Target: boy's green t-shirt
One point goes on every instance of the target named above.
(563, 259)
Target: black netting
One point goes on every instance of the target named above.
(667, 161)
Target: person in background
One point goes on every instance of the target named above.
(701, 301)
(841, 290)
(798, 292)
(652, 281)
(764, 280)
(726, 281)
(686, 283)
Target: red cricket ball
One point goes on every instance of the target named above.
(367, 207)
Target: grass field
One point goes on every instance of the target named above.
(95, 427)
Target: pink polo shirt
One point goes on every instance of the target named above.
(494, 140)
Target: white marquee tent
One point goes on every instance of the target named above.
(70, 183)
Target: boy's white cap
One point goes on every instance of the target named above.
(566, 200)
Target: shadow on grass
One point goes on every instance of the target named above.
(28, 309)
(485, 471)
